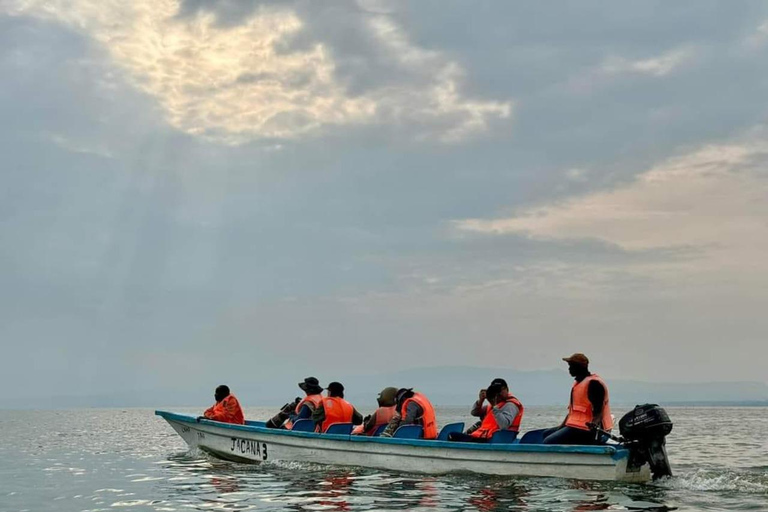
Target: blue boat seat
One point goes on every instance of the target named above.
(305, 425)
(533, 437)
(409, 432)
(343, 429)
(503, 436)
(379, 430)
(449, 429)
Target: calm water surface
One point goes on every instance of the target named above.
(100, 459)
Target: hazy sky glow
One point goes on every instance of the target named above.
(243, 188)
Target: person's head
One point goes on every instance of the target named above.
(578, 364)
(502, 384)
(402, 395)
(492, 393)
(221, 393)
(311, 386)
(387, 397)
(335, 389)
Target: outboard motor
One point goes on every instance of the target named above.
(644, 430)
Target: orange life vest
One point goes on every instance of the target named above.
(314, 400)
(381, 416)
(428, 417)
(489, 425)
(580, 409)
(337, 410)
(228, 410)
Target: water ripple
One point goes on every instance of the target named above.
(100, 460)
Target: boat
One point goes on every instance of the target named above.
(255, 443)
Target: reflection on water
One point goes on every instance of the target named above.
(110, 460)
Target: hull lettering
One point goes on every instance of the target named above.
(249, 447)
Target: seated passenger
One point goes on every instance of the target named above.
(334, 409)
(588, 408)
(301, 408)
(412, 409)
(505, 412)
(226, 409)
(381, 416)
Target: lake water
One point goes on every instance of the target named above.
(112, 459)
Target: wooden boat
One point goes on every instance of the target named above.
(254, 443)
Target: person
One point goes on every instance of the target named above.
(381, 416)
(226, 409)
(588, 408)
(334, 409)
(300, 408)
(413, 408)
(504, 412)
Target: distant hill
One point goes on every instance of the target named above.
(444, 385)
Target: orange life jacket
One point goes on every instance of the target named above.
(228, 410)
(313, 400)
(381, 416)
(489, 425)
(580, 409)
(337, 410)
(428, 417)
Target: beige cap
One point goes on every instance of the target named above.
(577, 358)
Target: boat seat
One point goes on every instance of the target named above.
(449, 429)
(503, 436)
(305, 425)
(533, 437)
(379, 430)
(344, 429)
(409, 432)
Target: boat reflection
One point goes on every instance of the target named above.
(499, 497)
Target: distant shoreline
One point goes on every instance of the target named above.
(619, 405)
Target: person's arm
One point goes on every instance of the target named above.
(412, 413)
(217, 413)
(596, 395)
(505, 414)
(357, 418)
(305, 412)
(318, 415)
(394, 423)
(478, 410)
(369, 423)
(209, 412)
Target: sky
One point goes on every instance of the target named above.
(234, 190)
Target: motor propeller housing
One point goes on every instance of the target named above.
(644, 430)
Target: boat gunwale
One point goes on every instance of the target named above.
(616, 453)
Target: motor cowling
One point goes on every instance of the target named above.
(644, 430)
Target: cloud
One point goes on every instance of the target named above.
(67, 144)
(660, 65)
(576, 174)
(614, 67)
(758, 38)
(243, 82)
(709, 203)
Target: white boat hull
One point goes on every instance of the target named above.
(253, 444)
